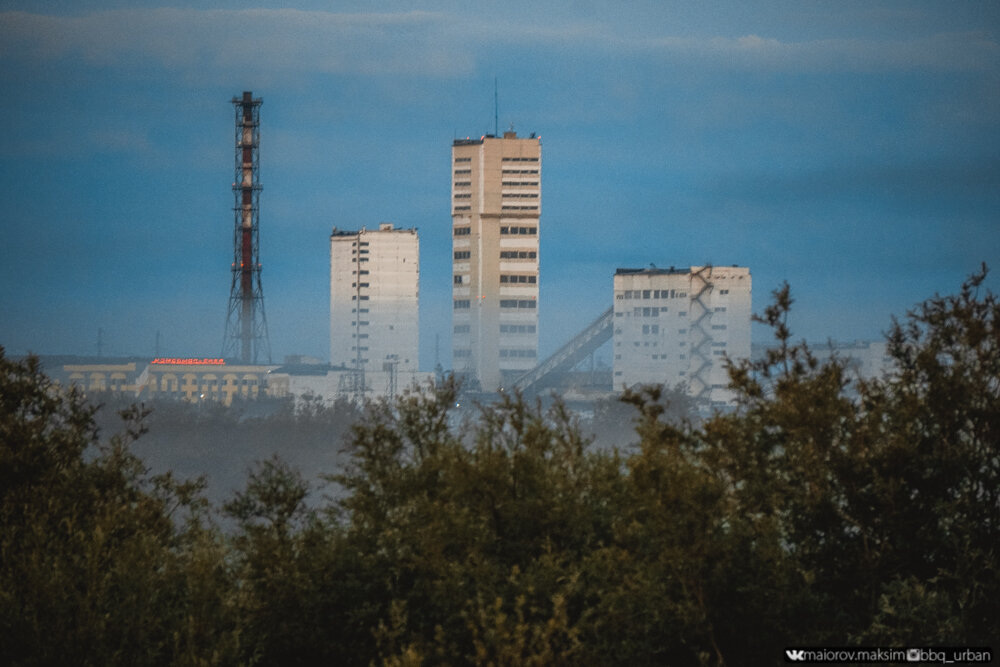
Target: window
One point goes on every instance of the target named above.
(463, 159)
(646, 293)
(462, 353)
(458, 280)
(462, 172)
(519, 230)
(463, 195)
(463, 231)
(517, 328)
(462, 184)
(518, 279)
(520, 354)
(514, 184)
(462, 328)
(461, 303)
(518, 254)
(724, 291)
(517, 303)
(720, 309)
(520, 159)
(718, 327)
(462, 254)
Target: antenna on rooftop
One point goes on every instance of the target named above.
(496, 107)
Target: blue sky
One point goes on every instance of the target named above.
(850, 148)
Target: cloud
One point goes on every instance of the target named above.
(434, 44)
(282, 40)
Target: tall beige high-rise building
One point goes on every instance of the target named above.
(374, 292)
(496, 201)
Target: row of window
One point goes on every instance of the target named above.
(518, 254)
(515, 184)
(463, 159)
(463, 195)
(518, 208)
(462, 254)
(360, 284)
(517, 354)
(462, 172)
(462, 184)
(508, 172)
(504, 328)
(531, 280)
(463, 231)
(519, 230)
(652, 294)
(519, 195)
(517, 303)
(520, 159)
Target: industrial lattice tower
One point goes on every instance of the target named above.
(246, 325)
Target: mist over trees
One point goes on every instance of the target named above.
(824, 510)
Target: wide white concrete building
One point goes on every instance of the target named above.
(495, 205)
(374, 295)
(676, 327)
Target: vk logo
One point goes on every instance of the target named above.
(795, 655)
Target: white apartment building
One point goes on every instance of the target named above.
(496, 205)
(677, 326)
(374, 292)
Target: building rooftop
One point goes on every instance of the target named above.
(651, 271)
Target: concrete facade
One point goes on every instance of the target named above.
(333, 384)
(374, 299)
(496, 206)
(677, 326)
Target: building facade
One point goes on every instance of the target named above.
(677, 327)
(496, 206)
(374, 300)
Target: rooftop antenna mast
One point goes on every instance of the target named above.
(496, 107)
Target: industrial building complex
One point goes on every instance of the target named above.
(676, 326)
(673, 326)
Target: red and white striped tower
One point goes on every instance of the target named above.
(246, 325)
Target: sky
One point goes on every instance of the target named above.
(851, 149)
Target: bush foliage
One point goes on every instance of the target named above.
(824, 510)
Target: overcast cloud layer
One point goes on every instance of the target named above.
(849, 148)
